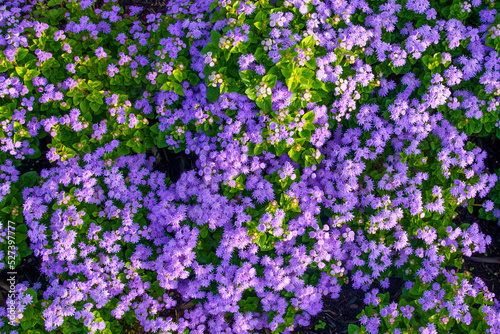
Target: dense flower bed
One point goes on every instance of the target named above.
(332, 145)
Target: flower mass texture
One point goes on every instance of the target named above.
(332, 148)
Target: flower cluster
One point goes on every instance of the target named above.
(452, 298)
(262, 90)
(8, 175)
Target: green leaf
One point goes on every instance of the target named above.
(305, 134)
(309, 161)
(270, 79)
(149, 142)
(246, 76)
(21, 53)
(309, 116)
(90, 97)
(130, 142)
(30, 74)
(84, 106)
(213, 94)
(94, 85)
(178, 89)
(311, 63)
(204, 232)
(264, 104)
(29, 179)
(457, 262)
(287, 73)
(139, 148)
(259, 25)
(258, 149)
(262, 240)
(21, 71)
(193, 79)
(250, 92)
(95, 106)
(309, 126)
(98, 97)
(259, 53)
(308, 42)
(161, 79)
(26, 324)
(280, 148)
(77, 98)
(123, 150)
(294, 154)
(37, 153)
(213, 5)
(22, 228)
(210, 47)
(28, 314)
(87, 116)
(178, 75)
(478, 127)
(161, 142)
(292, 84)
(154, 128)
(215, 36)
(305, 73)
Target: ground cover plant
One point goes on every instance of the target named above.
(331, 140)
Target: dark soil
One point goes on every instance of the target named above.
(41, 162)
(172, 164)
(28, 270)
(488, 271)
(492, 147)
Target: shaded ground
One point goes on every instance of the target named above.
(40, 163)
(172, 164)
(487, 266)
(492, 147)
(27, 270)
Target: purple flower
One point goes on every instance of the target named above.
(71, 68)
(59, 35)
(429, 329)
(42, 55)
(488, 205)
(245, 61)
(431, 14)
(418, 6)
(112, 70)
(373, 324)
(100, 53)
(121, 37)
(454, 76)
(67, 48)
(260, 69)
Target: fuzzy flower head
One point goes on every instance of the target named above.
(100, 53)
